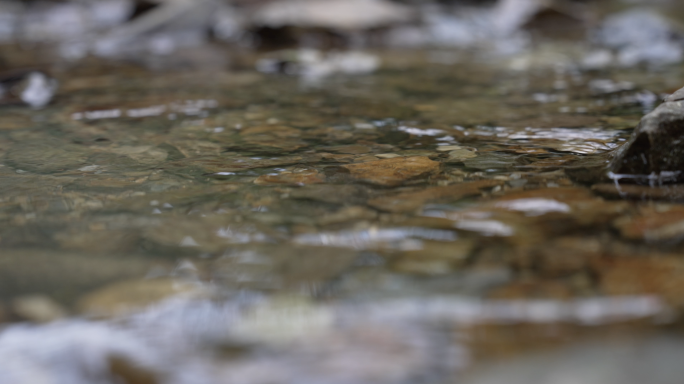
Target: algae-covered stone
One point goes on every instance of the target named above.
(655, 152)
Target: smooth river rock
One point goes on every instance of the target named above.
(392, 172)
(655, 152)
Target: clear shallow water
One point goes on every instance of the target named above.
(387, 228)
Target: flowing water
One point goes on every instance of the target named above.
(397, 227)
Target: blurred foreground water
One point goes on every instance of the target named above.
(182, 211)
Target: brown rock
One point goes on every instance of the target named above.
(268, 138)
(574, 202)
(411, 201)
(434, 257)
(336, 158)
(657, 223)
(663, 276)
(566, 255)
(392, 172)
(129, 372)
(364, 158)
(533, 216)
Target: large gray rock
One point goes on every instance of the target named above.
(655, 152)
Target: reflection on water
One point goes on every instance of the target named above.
(399, 227)
(372, 238)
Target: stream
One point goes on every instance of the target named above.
(427, 215)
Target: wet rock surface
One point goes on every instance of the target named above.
(653, 154)
(392, 172)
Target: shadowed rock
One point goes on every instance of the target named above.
(655, 152)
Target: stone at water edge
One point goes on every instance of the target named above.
(655, 152)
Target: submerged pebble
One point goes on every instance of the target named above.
(412, 201)
(393, 171)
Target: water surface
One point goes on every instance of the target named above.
(396, 227)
